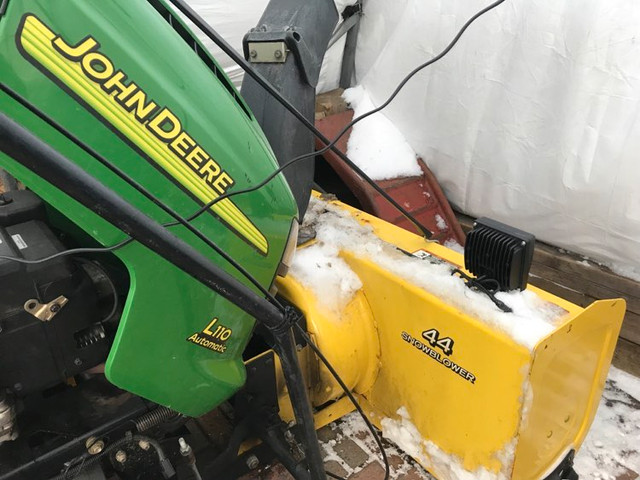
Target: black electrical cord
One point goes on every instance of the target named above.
(112, 287)
(329, 145)
(242, 63)
(479, 284)
(353, 400)
(138, 187)
(73, 251)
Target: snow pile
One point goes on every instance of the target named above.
(319, 268)
(611, 447)
(625, 271)
(445, 466)
(405, 434)
(375, 144)
(532, 318)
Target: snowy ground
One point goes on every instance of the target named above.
(612, 447)
(610, 451)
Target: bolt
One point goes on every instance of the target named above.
(144, 445)
(121, 457)
(185, 448)
(253, 462)
(277, 54)
(55, 308)
(253, 54)
(77, 362)
(94, 446)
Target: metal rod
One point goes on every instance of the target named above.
(348, 69)
(242, 63)
(141, 189)
(286, 350)
(46, 162)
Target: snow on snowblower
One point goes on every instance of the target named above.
(149, 220)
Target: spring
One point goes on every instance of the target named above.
(87, 337)
(154, 418)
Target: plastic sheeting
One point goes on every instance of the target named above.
(233, 19)
(532, 119)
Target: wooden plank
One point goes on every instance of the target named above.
(538, 279)
(627, 357)
(631, 328)
(581, 284)
(574, 264)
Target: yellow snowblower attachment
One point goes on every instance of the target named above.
(461, 386)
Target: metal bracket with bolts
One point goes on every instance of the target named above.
(45, 311)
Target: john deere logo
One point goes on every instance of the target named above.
(153, 130)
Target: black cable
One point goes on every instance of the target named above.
(112, 287)
(411, 74)
(242, 63)
(329, 145)
(353, 400)
(478, 284)
(138, 187)
(73, 251)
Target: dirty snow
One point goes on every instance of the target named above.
(612, 446)
(319, 268)
(532, 318)
(375, 144)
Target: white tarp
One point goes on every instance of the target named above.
(233, 19)
(532, 119)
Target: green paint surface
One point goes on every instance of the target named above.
(164, 307)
